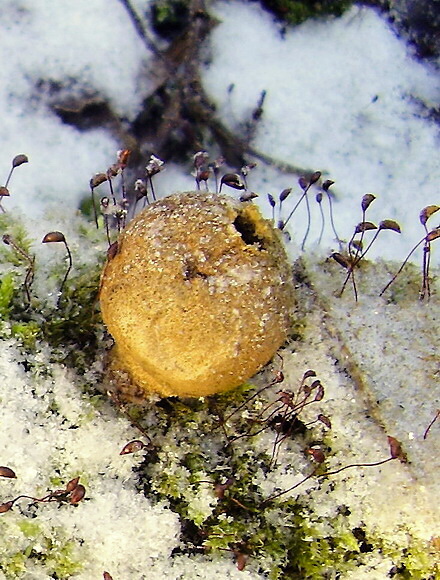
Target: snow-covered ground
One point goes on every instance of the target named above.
(344, 96)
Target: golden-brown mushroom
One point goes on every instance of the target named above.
(198, 295)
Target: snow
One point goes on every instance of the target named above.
(40, 49)
(344, 96)
(40, 443)
(386, 385)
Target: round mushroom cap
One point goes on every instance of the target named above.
(197, 295)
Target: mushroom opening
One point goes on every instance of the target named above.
(246, 228)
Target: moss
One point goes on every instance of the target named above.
(61, 560)
(57, 556)
(57, 482)
(416, 560)
(15, 228)
(193, 450)
(73, 327)
(295, 12)
(86, 208)
(169, 17)
(29, 528)
(14, 566)
(282, 538)
(7, 289)
(286, 544)
(27, 333)
(406, 287)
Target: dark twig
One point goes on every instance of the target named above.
(140, 28)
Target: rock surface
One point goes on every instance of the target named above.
(198, 296)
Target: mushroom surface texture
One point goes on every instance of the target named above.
(197, 295)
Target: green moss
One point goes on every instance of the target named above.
(416, 560)
(193, 450)
(169, 17)
(72, 327)
(86, 208)
(61, 560)
(58, 557)
(14, 566)
(14, 228)
(282, 538)
(406, 287)
(7, 289)
(26, 333)
(57, 482)
(285, 543)
(29, 528)
(294, 12)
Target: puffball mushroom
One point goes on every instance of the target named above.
(197, 295)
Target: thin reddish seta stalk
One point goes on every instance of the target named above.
(426, 290)
(295, 207)
(402, 266)
(332, 222)
(355, 261)
(427, 430)
(306, 235)
(325, 474)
